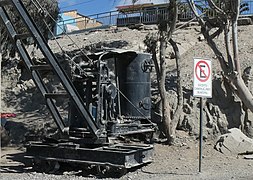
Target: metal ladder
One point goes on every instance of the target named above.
(52, 65)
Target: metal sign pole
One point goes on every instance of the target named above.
(201, 133)
(202, 88)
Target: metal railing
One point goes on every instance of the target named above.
(246, 7)
(250, 8)
(143, 16)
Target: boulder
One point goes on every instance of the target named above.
(5, 139)
(234, 143)
(244, 21)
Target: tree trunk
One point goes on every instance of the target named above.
(161, 85)
(235, 36)
(166, 29)
(177, 115)
(242, 91)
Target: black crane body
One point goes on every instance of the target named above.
(109, 99)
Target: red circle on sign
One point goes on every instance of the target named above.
(206, 75)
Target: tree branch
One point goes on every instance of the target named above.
(216, 8)
(195, 12)
(174, 20)
(209, 39)
(179, 85)
(217, 33)
(227, 44)
(179, 109)
(235, 37)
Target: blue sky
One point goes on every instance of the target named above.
(89, 7)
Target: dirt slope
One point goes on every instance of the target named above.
(178, 162)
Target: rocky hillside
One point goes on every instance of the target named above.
(20, 96)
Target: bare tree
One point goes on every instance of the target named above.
(163, 38)
(226, 17)
(43, 12)
(134, 1)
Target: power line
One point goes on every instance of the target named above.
(77, 4)
(39, 6)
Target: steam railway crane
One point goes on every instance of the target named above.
(109, 99)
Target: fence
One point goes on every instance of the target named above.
(144, 16)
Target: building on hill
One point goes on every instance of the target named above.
(138, 13)
(147, 13)
(70, 21)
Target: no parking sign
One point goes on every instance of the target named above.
(202, 87)
(202, 78)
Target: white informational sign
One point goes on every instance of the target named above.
(202, 78)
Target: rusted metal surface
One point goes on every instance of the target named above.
(120, 155)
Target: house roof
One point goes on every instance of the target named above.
(138, 7)
(68, 11)
(133, 7)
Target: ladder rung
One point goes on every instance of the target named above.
(86, 66)
(41, 67)
(5, 2)
(93, 85)
(22, 36)
(90, 70)
(56, 95)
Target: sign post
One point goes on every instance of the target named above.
(202, 87)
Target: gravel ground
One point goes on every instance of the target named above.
(170, 162)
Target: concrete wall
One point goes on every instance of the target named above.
(72, 21)
(82, 22)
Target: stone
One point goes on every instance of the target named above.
(234, 143)
(150, 27)
(244, 21)
(5, 139)
(201, 37)
(138, 26)
(248, 157)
